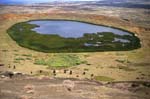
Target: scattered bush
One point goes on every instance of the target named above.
(27, 55)
(126, 68)
(19, 58)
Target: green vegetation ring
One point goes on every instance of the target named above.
(23, 34)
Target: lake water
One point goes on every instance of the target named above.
(71, 29)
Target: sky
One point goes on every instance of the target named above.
(35, 1)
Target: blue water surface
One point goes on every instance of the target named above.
(71, 29)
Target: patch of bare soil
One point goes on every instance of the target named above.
(29, 87)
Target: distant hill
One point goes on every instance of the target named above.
(145, 4)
